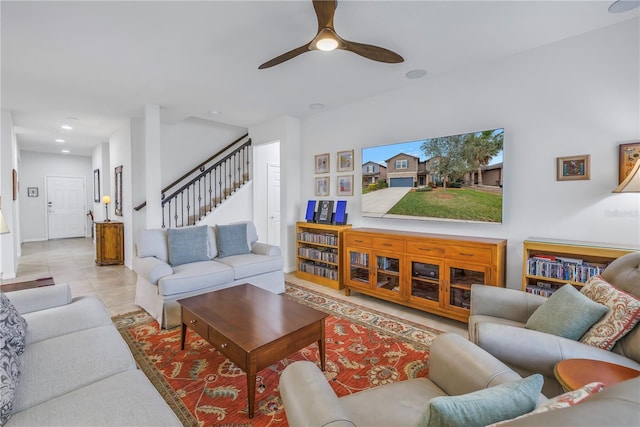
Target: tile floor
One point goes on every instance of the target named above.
(72, 261)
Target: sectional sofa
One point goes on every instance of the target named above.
(177, 263)
(74, 367)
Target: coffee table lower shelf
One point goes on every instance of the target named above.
(253, 327)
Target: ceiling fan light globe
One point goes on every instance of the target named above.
(327, 44)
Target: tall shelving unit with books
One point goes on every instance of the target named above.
(550, 264)
(319, 253)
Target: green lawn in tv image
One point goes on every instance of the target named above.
(454, 203)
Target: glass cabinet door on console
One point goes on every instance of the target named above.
(359, 273)
(426, 285)
(461, 277)
(388, 274)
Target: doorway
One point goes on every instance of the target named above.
(266, 192)
(273, 204)
(66, 210)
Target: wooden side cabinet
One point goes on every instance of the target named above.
(109, 243)
(430, 272)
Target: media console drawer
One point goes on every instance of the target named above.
(425, 248)
(466, 253)
(386, 244)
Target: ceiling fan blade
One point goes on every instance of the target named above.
(325, 10)
(374, 53)
(285, 57)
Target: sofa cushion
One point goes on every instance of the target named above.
(248, 265)
(232, 240)
(153, 243)
(83, 313)
(483, 407)
(9, 377)
(195, 276)
(62, 364)
(13, 327)
(188, 244)
(124, 399)
(623, 315)
(567, 313)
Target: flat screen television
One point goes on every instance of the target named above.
(448, 178)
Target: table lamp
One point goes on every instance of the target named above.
(106, 200)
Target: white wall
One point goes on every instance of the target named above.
(10, 242)
(100, 161)
(578, 96)
(287, 130)
(34, 168)
(120, 155)
(190, 142)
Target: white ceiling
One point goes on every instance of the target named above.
(94, 64)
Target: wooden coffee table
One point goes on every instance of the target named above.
(573, 374)
(253, 327)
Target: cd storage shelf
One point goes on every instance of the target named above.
(430, 272)
(550, 264)
(319, 253)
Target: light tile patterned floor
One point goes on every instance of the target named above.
(72, 261)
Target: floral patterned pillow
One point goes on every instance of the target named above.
(565, 400)
(13, 327)
(623, 315)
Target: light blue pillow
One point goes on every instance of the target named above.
(187, 244)
(567, 313)
(486, 406)
(232, 240)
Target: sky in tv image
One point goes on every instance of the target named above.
(381, 153)
(457, 178)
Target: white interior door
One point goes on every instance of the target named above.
(66, 211)
(273, 204)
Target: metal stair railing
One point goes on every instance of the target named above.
(190, 201)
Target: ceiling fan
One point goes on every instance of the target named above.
(327, 39)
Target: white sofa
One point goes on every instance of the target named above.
(76, 369)
(164, 277)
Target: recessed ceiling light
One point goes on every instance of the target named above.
(67, 127)
(214, 112)
(59, 140)
(65, 151)
(416, 74)
(316, 106)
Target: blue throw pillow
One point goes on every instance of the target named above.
(232, 240)
(187, 244)
(567, 313)
(486, 406)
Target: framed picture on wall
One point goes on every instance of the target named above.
(629, 155)
(345, 185)
(345, 161)
(322, 186)
(118, 187)
(574, 168)
(96, 185)
(322, 163)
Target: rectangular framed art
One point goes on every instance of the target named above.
(322, 186)
(345, 161)
(96, 185)
(629, 155)
(322, 163)
(345, 185)
(574, 168)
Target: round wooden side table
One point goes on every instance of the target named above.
(573, 374)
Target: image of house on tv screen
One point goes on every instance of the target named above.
(450, 178)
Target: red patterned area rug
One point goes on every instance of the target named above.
(365, 348)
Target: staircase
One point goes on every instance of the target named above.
(198, 192)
